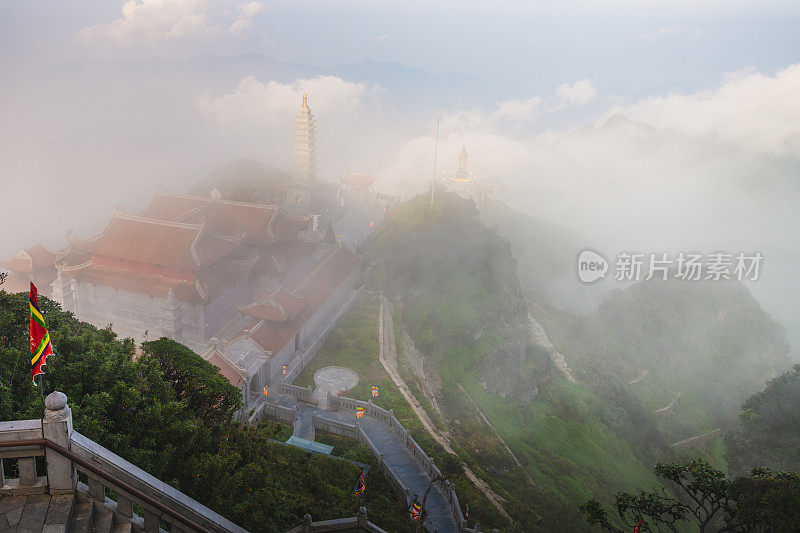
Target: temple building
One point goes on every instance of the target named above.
(35, 264)
(357, 182)
(248, 286)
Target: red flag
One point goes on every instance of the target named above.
(636, 529)
(40, 338)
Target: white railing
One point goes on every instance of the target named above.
(110, 480)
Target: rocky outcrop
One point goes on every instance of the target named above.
(517, 367)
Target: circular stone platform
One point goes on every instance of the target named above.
(333, 379)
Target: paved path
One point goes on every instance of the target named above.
(303, 423)
(403, 464)
(395, 455)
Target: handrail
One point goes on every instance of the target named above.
(108, 477)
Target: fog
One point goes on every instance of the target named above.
(131, 100)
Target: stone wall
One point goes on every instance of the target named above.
(132, 314)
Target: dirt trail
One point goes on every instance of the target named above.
(388, 358)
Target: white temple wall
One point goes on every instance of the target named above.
(130, 314)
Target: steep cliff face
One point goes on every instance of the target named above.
(458, 292)
(517, 367)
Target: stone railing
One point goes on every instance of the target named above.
(336, 427)
(20, 471)
(133, 486)
(356, 523)
(274, 411)
(404, 435)
(388, 418)
(70, 456)
(300, 393)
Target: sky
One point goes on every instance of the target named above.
(102, 100)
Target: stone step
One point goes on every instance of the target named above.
(103, 519)
(82, 518)
(59, 513)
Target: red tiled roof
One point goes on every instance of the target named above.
(280, 306)
(37, 257)
(227, 368)
(186, 290)
(17, 282)
(283, 256)
(286, 227)
(172, 206)
(322, 279)
(155, 280)
(231, 218)
(171, 244)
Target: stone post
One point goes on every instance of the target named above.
(57, 428)
(362, 517)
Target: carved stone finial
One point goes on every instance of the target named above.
(307, 518)
(55, 401)
(215, 194)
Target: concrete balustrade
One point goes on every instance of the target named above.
(18, 469)
(69, 456)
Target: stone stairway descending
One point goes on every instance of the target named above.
(91, 516)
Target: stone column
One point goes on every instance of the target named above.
(57, 428)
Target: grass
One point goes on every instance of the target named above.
(354, 344)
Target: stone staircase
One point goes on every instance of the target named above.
(67, 513)
(55, 480)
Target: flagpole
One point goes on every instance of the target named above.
(41, 395)
(435, 156)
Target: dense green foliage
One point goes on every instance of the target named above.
(168, 411)
(769, 427)
(706, 501)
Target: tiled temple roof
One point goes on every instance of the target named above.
(321, 280)
(280, 306)
(170, 244)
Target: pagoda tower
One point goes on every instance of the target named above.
(304, 162)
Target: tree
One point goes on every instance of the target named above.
(196, 383)
(704, 497)
(768, 427)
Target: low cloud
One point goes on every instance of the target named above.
(265, 103)
(663, 171)
(157, 22)
(579, 93)
(754, 111)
